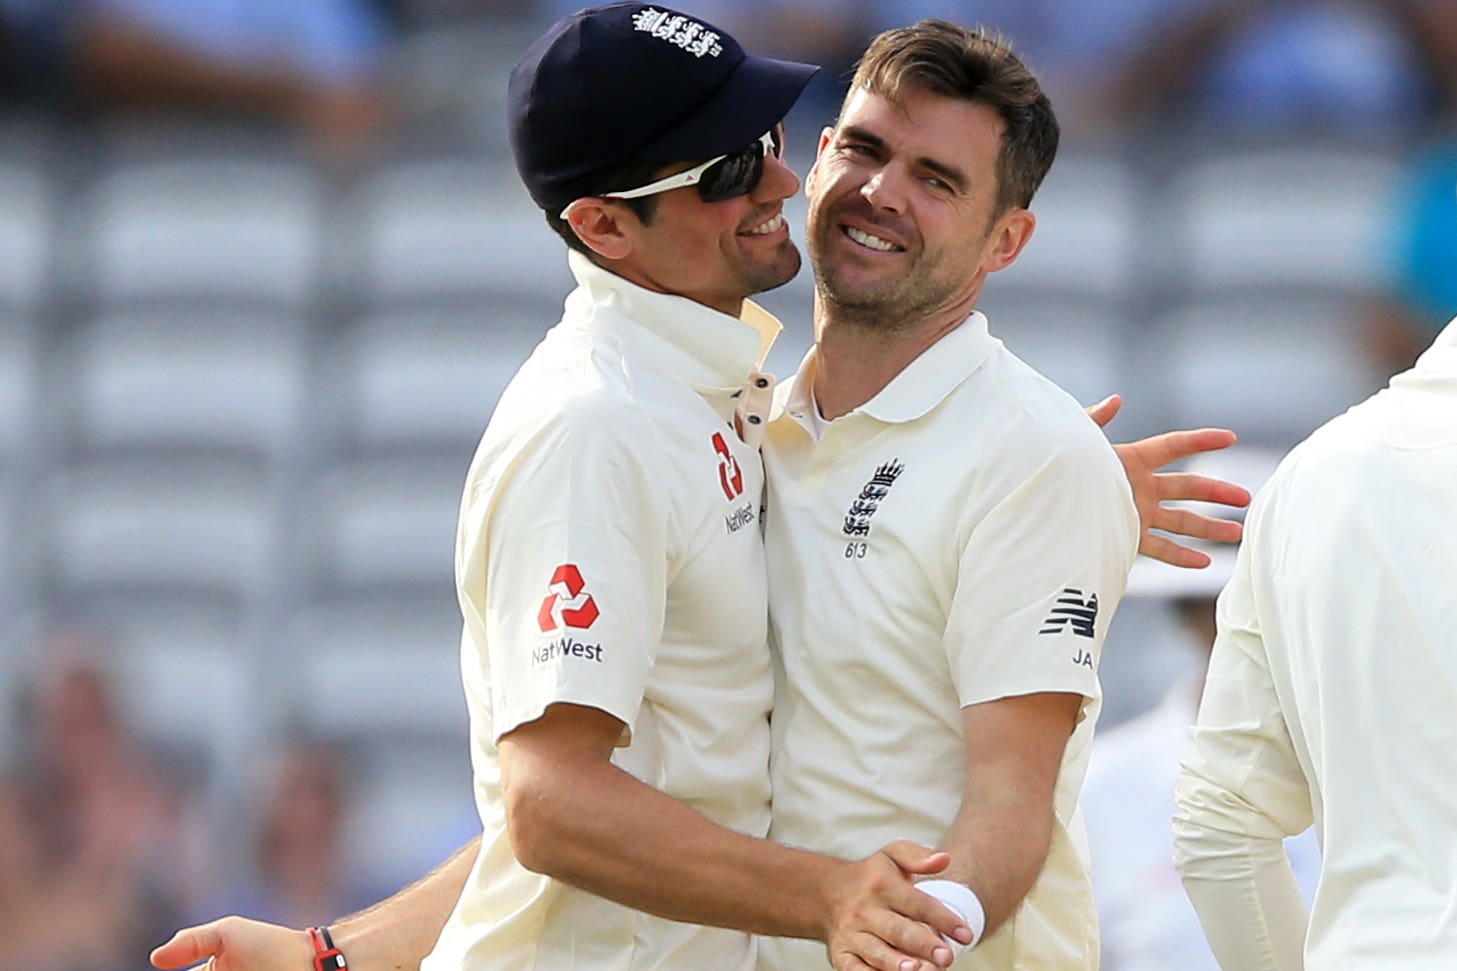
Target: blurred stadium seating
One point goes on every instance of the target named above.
(238, 398)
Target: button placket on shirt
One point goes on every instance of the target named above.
(751, 415)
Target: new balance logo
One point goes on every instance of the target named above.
(1073, 613)
(568, 604)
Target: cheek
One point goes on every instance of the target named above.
(682, 243)
(811, 177)
(825, 181)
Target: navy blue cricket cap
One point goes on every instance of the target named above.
(637, 81)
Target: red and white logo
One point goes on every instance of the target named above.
(730, 476)
(568, 603)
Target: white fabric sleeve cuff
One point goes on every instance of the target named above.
(964, 901)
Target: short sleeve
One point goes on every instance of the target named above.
(1041, 572)
(576, 568)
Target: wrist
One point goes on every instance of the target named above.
(818, 908)
(963, 901)
(327, 956)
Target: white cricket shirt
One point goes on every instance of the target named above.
(1332, 696)
(609, 555)
(963, 536)
(1145, 920)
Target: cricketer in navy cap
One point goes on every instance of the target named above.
(637, 81)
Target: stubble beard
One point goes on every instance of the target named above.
(887, 304)
(761, 277)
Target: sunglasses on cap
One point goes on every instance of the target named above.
(725, 177)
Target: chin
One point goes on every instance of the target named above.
(858, 295)
(772, 278)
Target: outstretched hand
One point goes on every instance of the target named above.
(237, 944)
(1151, 489)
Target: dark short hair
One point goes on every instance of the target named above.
(975, 65)
(615, 178)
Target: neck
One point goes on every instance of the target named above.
(627, 270)
(857, 360)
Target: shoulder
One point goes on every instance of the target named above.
(576, 385)
(1032, 423)
(569, 414)
(1331, 466)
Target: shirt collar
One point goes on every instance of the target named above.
(703, 347)
(925, 382)
(921, 386)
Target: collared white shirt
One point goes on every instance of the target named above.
(1332, 696)
(609, 555)
(963, 536)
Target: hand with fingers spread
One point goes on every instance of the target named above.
(237, 944)
(1151, 489)
(879, 920)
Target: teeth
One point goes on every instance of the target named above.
(865, 239)
(772, 226)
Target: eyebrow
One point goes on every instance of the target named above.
(948, 172)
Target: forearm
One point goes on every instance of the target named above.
(397, 933)
(998, 847)
(1244, 891)
(1241, 791)
(608, 833)
(1002, 832)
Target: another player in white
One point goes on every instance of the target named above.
(1332, 698)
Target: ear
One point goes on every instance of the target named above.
(1011, 233)
(601, 227)
(809, 179)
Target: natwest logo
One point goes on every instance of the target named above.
(730, 476)
(568, 603)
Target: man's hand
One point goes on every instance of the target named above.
(238, 944)
(878, 920)
(1152, 488)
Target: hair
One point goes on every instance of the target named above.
(975, 65)
(615, 178)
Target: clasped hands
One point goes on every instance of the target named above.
(878, 920)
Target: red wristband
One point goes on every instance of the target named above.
(327, 957)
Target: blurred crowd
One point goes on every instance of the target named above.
(1387, 67)
(1249, 65)
(109, 838)
(108, 842)
(347, 75)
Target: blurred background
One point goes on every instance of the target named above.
(265, 267)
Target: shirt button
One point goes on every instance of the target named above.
(754, 419)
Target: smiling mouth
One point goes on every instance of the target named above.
(872, 242)
(771, 225)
